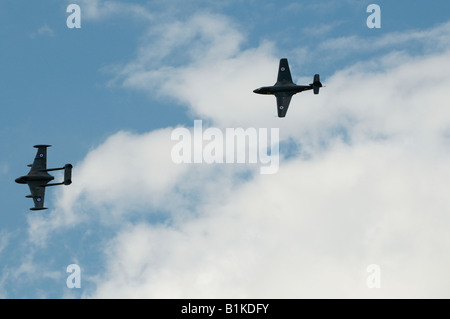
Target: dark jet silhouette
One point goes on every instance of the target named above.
(38, 178)
(284, 89)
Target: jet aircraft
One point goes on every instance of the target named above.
(38, 178)
(284, 88)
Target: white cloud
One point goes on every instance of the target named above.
(311, 230)
(218, 78)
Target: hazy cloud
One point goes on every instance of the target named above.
(45, 30)
(99, 9)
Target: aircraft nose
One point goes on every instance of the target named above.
(20, 180)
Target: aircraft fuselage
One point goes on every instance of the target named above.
(34, 178)
(288, 88)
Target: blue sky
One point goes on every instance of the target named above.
(108, 95)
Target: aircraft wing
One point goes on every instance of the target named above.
(38, 194)
(284, 74)
(283, 100)
(40, 161)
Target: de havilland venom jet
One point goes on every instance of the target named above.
(284, 89)
(38, 178)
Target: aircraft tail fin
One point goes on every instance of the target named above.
(68, 174)
(316, 84)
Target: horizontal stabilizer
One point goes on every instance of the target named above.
(51, 169)
(316, 84)
(41, 146)
(316, 89)
(38, 208)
